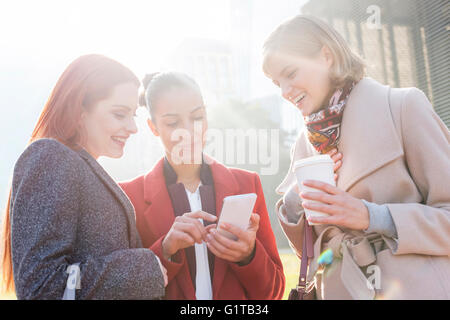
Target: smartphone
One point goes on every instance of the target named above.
(236, 210)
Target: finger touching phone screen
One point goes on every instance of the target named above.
(236, 210)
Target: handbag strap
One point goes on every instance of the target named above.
(307, 255)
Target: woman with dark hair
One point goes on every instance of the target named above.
(177, 204)
(69, 230)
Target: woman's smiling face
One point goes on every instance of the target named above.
(305, 82)
(109, 123)
(179, 119)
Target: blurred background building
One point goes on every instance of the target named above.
(232, 70)
(406, 43)
(210, 63)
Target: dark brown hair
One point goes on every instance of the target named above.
(158, 83)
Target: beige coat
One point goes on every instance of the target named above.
(396, 151)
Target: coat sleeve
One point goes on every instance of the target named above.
(45, 207)
(263, 277)
(175, 264)
(134, 191)
(293, 231)
(424, 228)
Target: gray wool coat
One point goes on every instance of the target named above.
(66, 209)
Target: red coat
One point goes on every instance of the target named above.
(262, 278)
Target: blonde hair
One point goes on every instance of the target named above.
(305, 36)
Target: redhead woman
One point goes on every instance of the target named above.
(387, 221)
(70, 231)
(179, 201)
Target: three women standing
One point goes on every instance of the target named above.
(390, 208)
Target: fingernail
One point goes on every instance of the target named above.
(225, 225)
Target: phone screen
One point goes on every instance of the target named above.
(236, 210)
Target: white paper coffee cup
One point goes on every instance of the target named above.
(314, 168)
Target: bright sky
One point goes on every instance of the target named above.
(138, 33)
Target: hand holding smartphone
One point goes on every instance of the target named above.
(236, 210)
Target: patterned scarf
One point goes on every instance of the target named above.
(324, 126)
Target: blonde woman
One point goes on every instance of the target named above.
(388, 219)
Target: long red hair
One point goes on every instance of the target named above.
(87, 80)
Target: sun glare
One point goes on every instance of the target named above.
(138, 33)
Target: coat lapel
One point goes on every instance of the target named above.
(224, 185)
(366, 148)
(208, 199)
(366, 145)
(181, 205)
(118, 193)
(160, 215)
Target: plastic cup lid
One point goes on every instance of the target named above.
(324, 158)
